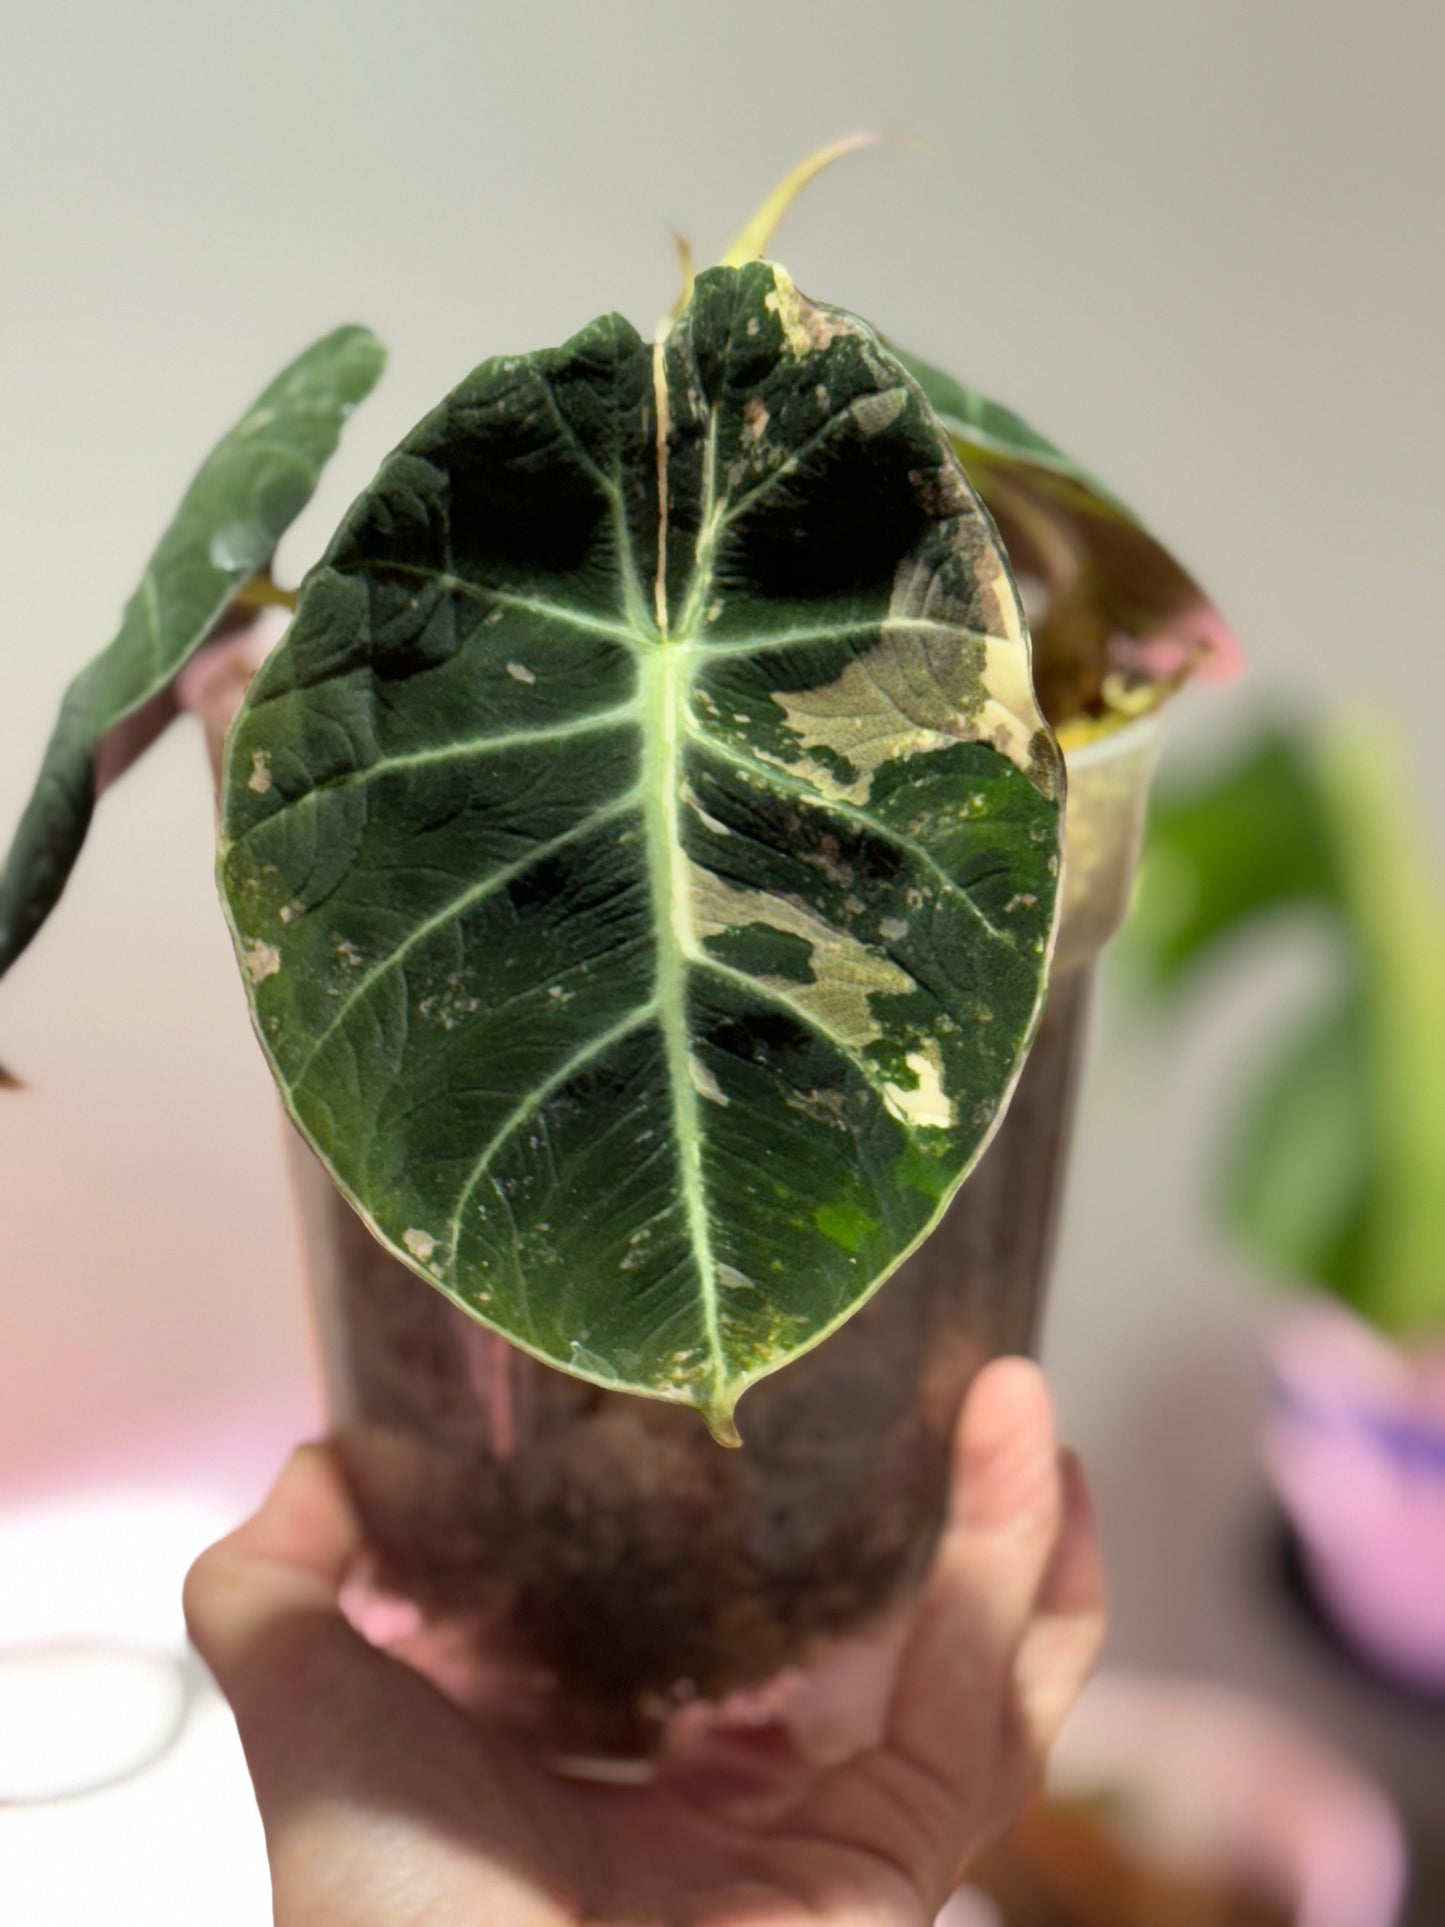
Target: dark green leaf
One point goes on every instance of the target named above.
(1336, 1174)
(1117, 608)
(1298, 1186)
(1254, 839)
(252, 486)
(994, 433)
(643, 848)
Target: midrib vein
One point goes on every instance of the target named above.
(663, 675)
(664, 686)
(664, 429)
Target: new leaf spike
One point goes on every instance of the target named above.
(752, 243)
(688, 267)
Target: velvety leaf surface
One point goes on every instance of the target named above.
(1118, 609)
(643, 848)
(250, 489)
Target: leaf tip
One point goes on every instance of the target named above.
(721, 1423)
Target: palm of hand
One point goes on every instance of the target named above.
(385, 1805)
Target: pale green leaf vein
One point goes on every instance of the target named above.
(611, 486)
(607, 483)
(745, 503)
(876, 626)
(778, 779)
(507, 598)
(579, 1060)
(442, 753)
(458, 906)
(771, 990)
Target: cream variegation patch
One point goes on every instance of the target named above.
(704, 1082)
(806, 328)
(927, 683)
(927, 1102)
(847, 974)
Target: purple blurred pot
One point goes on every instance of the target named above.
(1355, 1450)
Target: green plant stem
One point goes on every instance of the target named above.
(1399, 920)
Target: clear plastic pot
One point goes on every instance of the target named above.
(605, 1542)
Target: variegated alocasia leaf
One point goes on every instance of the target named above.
(251, 488)
(643, 848)
(1117, 608)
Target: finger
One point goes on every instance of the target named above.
(930, 1795)
(374, 1789)
(1004, 1514)
(1074, 1581)
(1062, 1643)
(285, 1562)
(318, 1708)
(264, 1613)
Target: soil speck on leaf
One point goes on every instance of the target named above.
(704, 1082)
(262, 960)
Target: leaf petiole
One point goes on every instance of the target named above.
(262, 592)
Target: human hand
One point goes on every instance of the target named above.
(385, 1805)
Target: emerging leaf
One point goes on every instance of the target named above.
(251, 488)
(643, 848)
(753, 242)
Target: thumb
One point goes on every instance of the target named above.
(263, 1611)
(369, 1782)
(279, 1575)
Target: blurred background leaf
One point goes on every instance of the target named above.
(1254, 838)
(1336, 1172)
(1297, 1185)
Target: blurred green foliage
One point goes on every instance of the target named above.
(1335, 1175)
